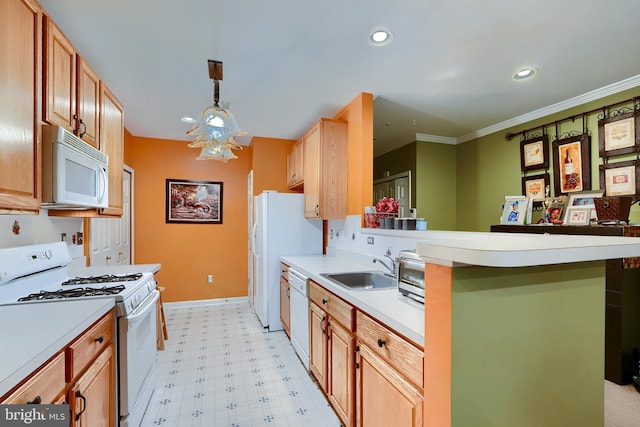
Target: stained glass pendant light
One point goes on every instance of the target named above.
(215, 129)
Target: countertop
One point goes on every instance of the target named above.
(453, 248)
(33, 332)
(388, 306)
(114, 269)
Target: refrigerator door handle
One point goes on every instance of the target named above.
(253, 238)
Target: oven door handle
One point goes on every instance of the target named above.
(141, 310)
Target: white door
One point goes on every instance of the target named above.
(403, 196)
(250, 265)
(110, 240)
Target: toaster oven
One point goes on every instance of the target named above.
(411, 275)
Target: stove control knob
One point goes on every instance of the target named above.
(48, 254)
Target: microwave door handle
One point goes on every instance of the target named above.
(104, 182)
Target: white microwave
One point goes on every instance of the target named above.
(74, 174)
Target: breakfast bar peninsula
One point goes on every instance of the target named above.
(514, 328)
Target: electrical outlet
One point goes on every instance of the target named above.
(210, 278)
(370, 240)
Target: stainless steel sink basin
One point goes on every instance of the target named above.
(362, 280)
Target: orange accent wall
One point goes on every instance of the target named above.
(270, 164)
(359, 114)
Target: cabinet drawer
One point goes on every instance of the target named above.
(407, 359)
(88, 345)
(47, 384)
(338, 309)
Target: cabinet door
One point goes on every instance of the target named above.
(312, 172)
(88, 103)
(20, 74)
(285, 305)
(383, 397)
(112, 144)
(333, 170)
(92, 397)
(318, 350)
(59, 78)
(341, 381)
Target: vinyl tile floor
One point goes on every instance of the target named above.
(220, 368)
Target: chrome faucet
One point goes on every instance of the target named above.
(392, 268)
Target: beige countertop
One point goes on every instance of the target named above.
(388, 306)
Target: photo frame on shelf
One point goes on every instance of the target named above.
(621, 178)
(584, 200)
(555, 209)
(534, 187)
(196, 202)
(619, 134)
(578, 215)
(534, 153)
(572, 164)
(516, 210)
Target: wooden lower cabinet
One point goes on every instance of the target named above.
(318, 344)
(341, 363)
(91, 397)
(285, 305)
(383, 396)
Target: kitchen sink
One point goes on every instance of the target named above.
(362, 280)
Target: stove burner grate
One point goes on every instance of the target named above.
(106, 278)
(73, 293)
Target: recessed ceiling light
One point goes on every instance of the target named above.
(380, 37)
(525, 73)
(187, 119)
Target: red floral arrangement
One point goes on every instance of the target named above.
(387, 205)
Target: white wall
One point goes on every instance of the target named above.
(40, 229)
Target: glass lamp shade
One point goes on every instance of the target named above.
(216, 151)
(214, 132)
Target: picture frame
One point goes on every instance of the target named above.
(555, 210)
(578, 215)
(534, 153)
(515, 210)
(195, 202)
(534, 187)
(619, 134)
(621, 178)
(572, 164)
(584, 200)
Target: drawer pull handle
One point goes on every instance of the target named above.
(324, 301)
(381, 342)
(84, 404)
(100, 339)
(36, 401)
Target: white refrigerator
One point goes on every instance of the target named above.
(279, 229)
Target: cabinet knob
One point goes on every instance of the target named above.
(324, 301)
(36, 401)
(381, 342)
(100, 339)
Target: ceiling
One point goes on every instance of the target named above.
(447, 72)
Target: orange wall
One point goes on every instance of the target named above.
(359, 114)
(189, 252)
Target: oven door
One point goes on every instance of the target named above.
(137, 357)
(411, 279)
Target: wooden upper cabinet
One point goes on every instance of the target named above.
(71, 88)
(112, 144)
(325, 170)
(295, 165)
(59, 78)
(20, 74)
(88, 102)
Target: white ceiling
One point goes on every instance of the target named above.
(289, 62)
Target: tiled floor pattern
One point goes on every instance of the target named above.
(220, 368)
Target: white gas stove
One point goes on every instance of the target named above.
(39, 273)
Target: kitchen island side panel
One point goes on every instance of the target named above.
(526, 347)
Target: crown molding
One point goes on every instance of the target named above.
(436, 138)
(594, 95)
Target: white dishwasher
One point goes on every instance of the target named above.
(299, 322)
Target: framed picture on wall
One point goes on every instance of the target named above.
(620, 179)
(572, 164)
(196, 202)
(534, 153)
(619, 134)
(534, 186)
